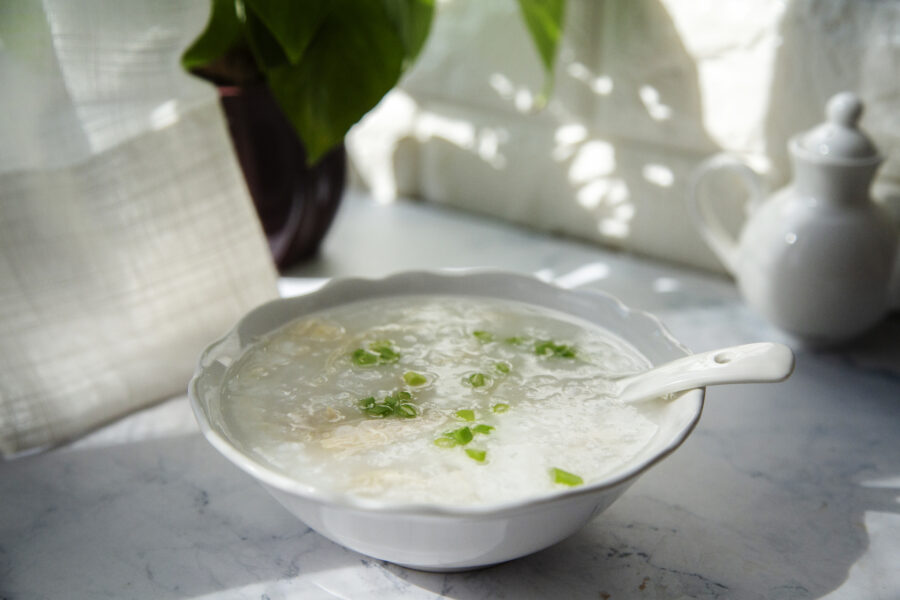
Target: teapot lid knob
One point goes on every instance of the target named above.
(844, 109)
(839, 137)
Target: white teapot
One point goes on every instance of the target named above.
(816, 258)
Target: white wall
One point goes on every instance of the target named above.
(644, 90)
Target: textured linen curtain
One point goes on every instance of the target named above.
(127, 237)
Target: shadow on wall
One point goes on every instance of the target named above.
(645, 131)
(606, 160)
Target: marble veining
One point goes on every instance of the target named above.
(785, 491)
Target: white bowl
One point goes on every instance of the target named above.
(443, 537)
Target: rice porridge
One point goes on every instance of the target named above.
(437, 399)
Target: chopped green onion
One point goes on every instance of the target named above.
(484, 336)
(565, 351)
(565, 478)
(362, 358)
(457, 437)
(502, 367)
(466, 414)
(379, 410)
(413, 378)
(500, 407)
(478, 379)
(461, 436)
(394, 405)
(378, 353)
(515, 340)
(384, 350)
(407, 411)
(478, 455)
(543, 348)
(482, 428)
(551, 348)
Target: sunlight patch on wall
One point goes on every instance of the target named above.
(660, 175)
(503, 85)
(489, 141)
(573, 133)
(456, 131)
(602, 85)
(591, 195)
(520, 96)
(654, 105)
(613, 228)
(164, 115)
(616, 223)
(599, 84)
(485, 142)
(566, 139)
(375, 143)
(594, 159)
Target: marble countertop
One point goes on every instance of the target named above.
(783, 491)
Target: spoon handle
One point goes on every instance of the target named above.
(749, 363)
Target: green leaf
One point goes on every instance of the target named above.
(223, 31)
(293, 24)
(267, 52)
(411, 20)
(350, 64)
(544, 19)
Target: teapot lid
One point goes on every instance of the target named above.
(839, 136)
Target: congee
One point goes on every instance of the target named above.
(437, 399)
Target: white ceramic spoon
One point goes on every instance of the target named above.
(750, 363)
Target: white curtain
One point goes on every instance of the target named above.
(127, 237)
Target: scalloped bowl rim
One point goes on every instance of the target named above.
(271, 477)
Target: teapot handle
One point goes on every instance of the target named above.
(708, 224)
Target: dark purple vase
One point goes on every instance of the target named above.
(295, 202)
